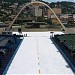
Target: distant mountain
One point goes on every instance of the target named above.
(12, 1)
(67, 7)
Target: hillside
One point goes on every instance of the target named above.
(12, 1)
(67, 7)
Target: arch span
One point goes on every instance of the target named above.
(9, 28)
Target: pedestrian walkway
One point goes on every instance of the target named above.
(38, 55)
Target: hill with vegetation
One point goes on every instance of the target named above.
(14, 1)
(67, 7)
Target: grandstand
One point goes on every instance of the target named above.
(8, 46)
(66, 43)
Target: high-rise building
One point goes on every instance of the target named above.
(56, 10)
(38, 11)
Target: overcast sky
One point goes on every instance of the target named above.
(58, 0)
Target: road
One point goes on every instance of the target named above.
(38, 55)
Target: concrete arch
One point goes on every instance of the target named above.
(9, 28)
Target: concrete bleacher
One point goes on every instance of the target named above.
(8, 45)
(68, 40)
(66, 45)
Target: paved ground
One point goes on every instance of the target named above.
(38, 55)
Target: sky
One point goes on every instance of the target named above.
(58, 0)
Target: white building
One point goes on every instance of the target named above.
(38, 11)
(1, 23)
(74, 18)
(64, 16)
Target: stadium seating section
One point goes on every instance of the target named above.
(8, 45)
(66, 46)
(68, 40)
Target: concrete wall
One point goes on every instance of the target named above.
(70, 30)
(44, 26)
